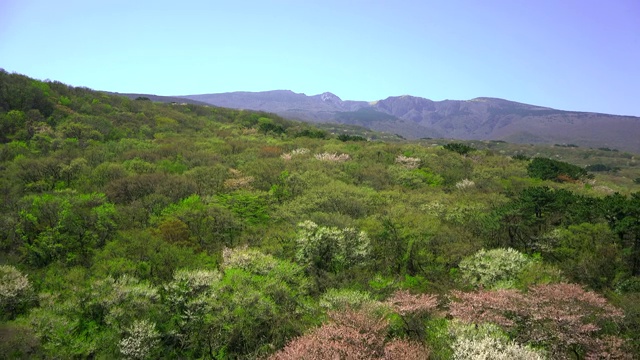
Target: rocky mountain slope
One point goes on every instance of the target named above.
(476, 119)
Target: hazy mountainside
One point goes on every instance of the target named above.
(159, 98)
(319, 108)
(476, 119)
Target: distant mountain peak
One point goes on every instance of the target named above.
(330, 97)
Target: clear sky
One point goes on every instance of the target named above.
(567, 54)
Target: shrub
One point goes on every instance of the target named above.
(600, 167)
(347, 137)
(549, 169)
(460, 148)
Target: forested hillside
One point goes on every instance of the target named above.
(135, 229)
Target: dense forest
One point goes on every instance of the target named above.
(135, 229)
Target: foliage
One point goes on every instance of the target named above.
(257, 305)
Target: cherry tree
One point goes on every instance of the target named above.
(563, 317)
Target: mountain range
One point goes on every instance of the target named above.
(413, 117)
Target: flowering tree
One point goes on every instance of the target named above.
(488, 348)
(404, 303)
(408, 162)
(563, 317)
(141, 340)
(351, 335)
(361, 331)
(333, 157)
(15, 291)
(493, 268)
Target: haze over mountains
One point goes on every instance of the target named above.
(475, 119)
(415, 117)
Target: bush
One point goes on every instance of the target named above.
(461, 149)
(600, 168)
(549, 169)
(346, 137)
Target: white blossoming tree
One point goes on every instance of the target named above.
(497, 268)
(141, 340)
(15, 291)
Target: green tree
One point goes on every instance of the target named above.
(64, 226)
(460, 148)
(329, 251)
(549, 169)
(257, 306)
(589, 254)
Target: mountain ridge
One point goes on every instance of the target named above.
(481, 118)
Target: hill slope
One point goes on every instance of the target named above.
(140, 229)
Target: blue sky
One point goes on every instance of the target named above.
(566, 54)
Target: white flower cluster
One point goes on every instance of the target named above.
(194, 281)
(408, 162)
(489, 348)
(13, 284)
(249, 260)
(238, 181)
(465, 184)
(289, 155)
(142, 339)
(332, 157)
